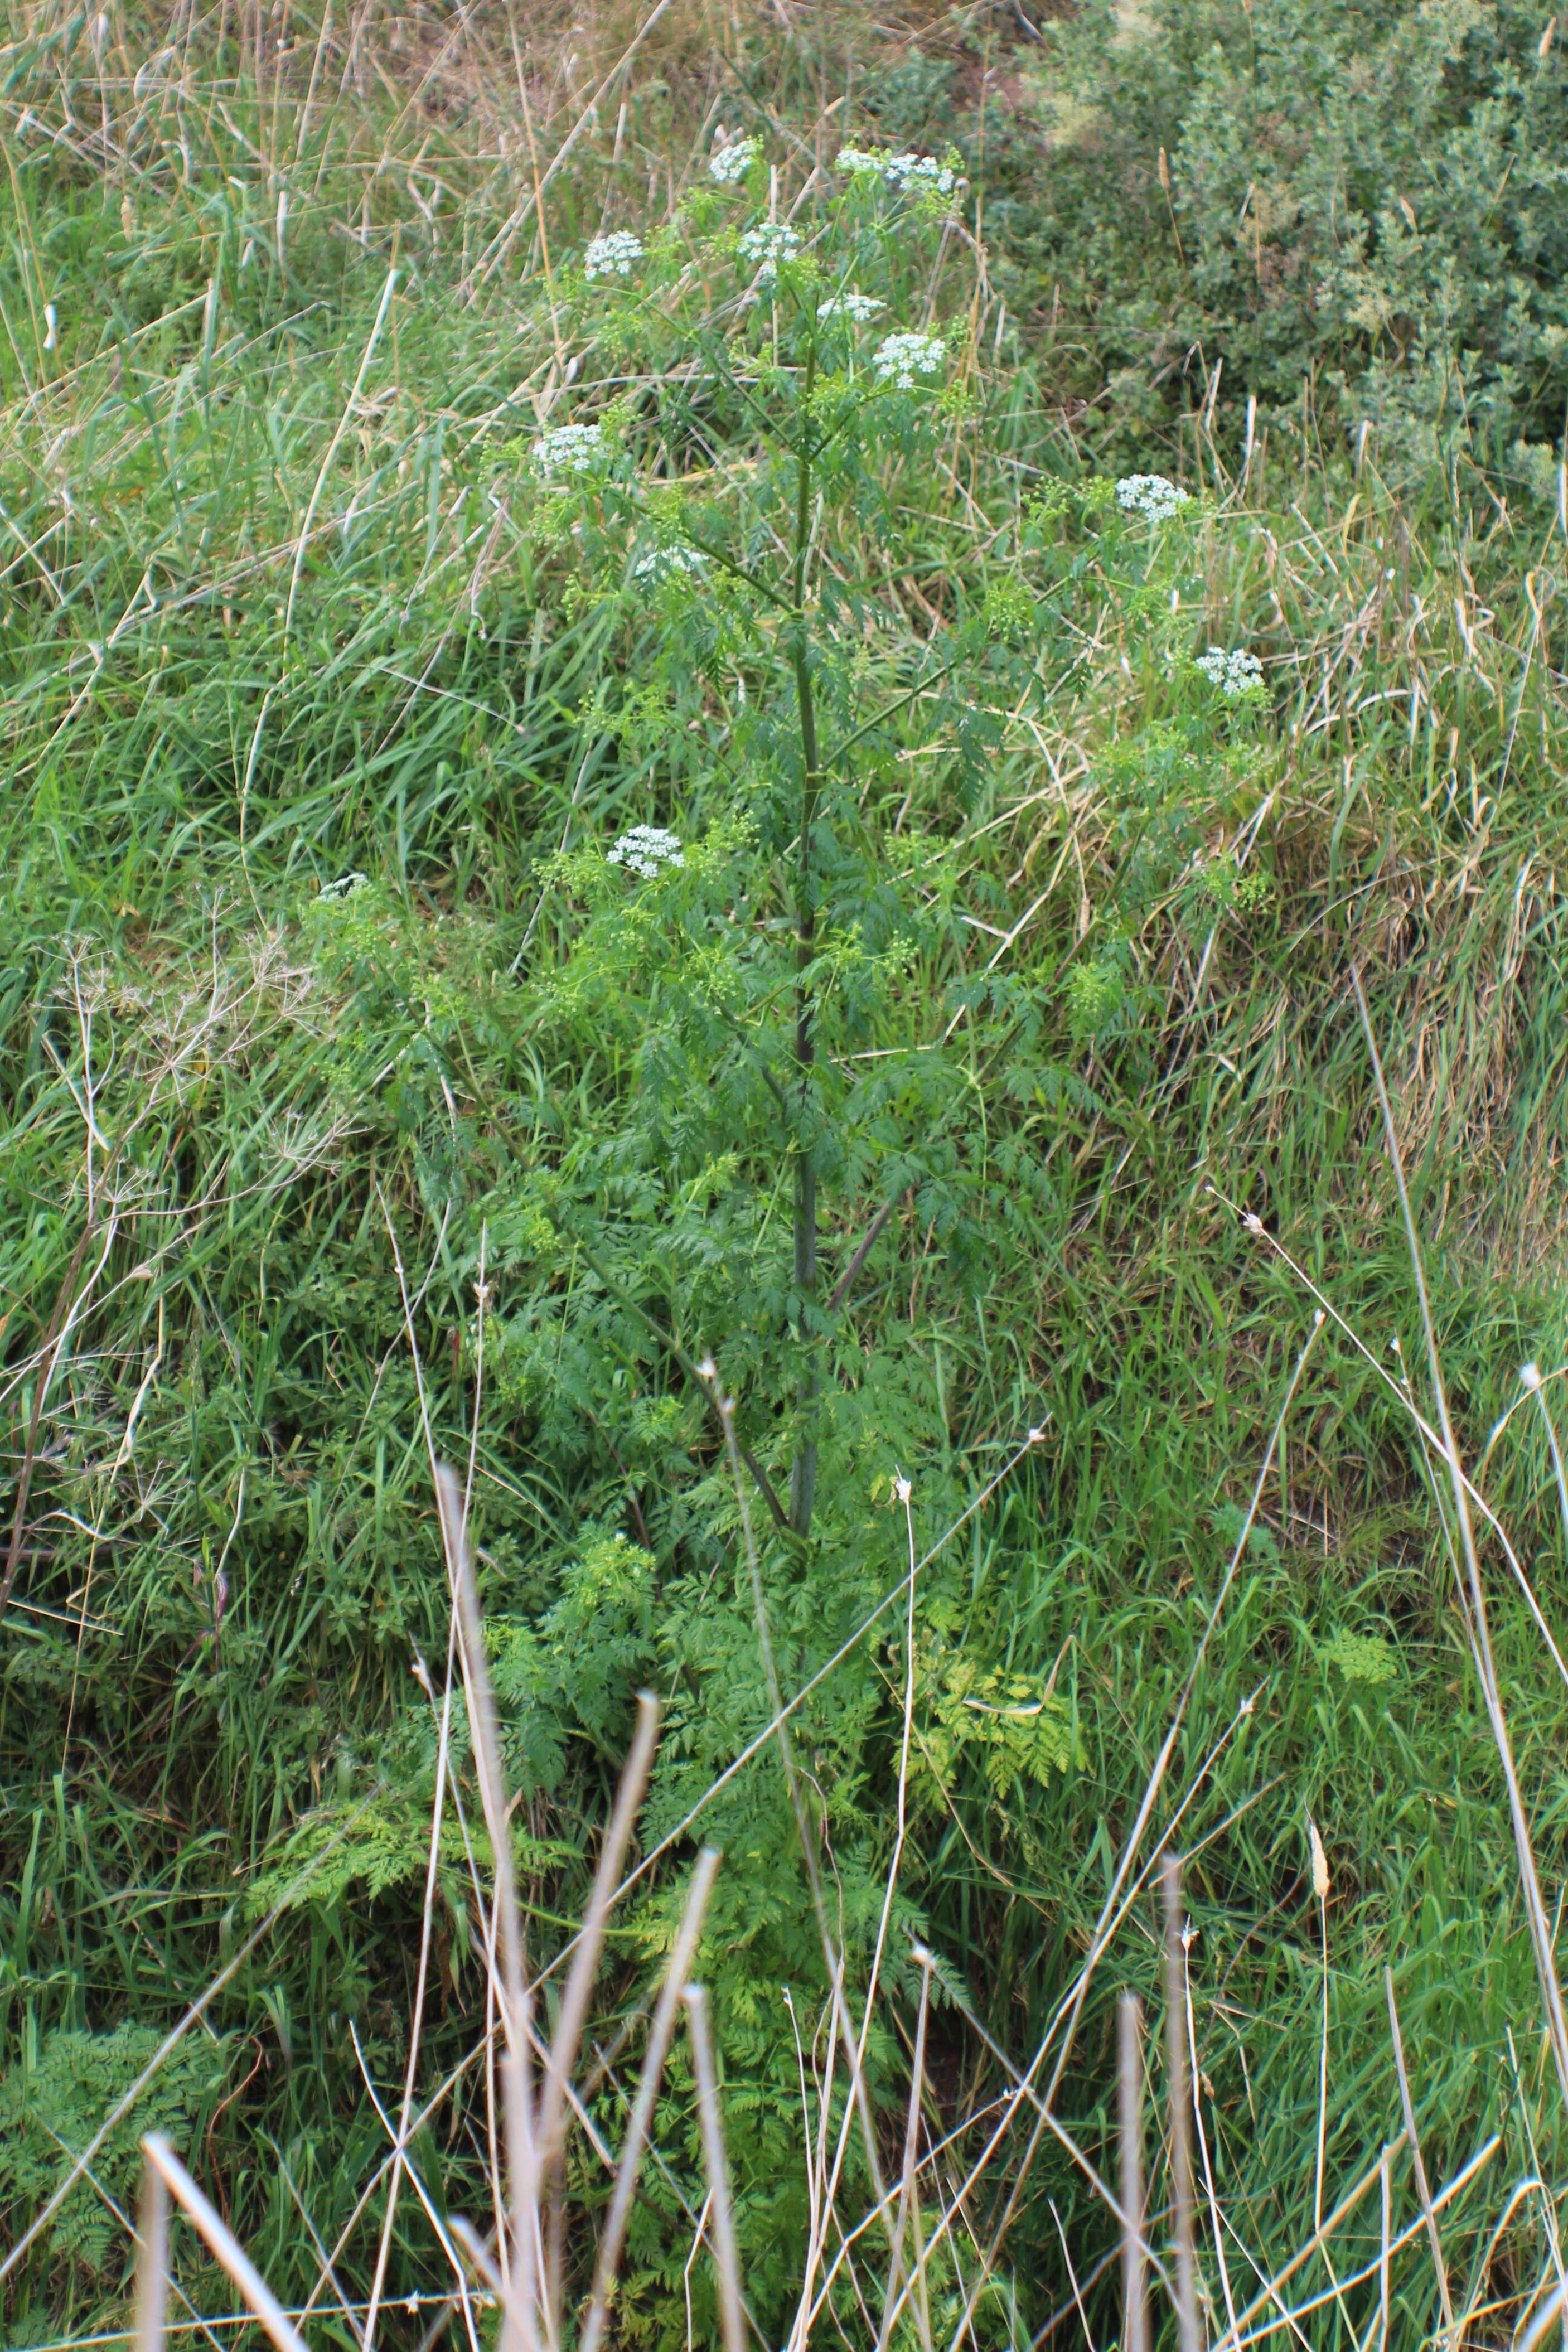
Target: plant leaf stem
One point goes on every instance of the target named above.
(803, 1470)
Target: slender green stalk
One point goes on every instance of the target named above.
(802, 1471)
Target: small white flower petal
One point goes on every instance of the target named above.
(765, 245)
(645, 850)
(899, 359)
(1151, 495)
(571, 449)
(731, 165)
(613, 256)
(853, 305)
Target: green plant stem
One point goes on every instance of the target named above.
(694, 1373)
(803, 1470)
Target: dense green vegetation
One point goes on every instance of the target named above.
(978, 1080)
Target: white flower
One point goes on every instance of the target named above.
(331, 894)
(731, 163)
(571, 449)
(665, 563)
(1233, 673)
(899, 359)
(858, 307)
(612, 256)
(915, 173)
(645, 850)
(920, 172)
(767, 245)
(1150, 494)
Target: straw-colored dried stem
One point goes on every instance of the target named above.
(563, 2058)
(1179, 2093)
(613, 2241)
(1417, 2162)
(152, 2260)
(383, 2248)
(478, 2256)
(517, 2098)
(1130, 2039)
(1217, 2223)
(720, 2213)
(1386, 2215)
(908, 2195)
(223, 2245)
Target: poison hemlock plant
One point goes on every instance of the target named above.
(755, 979)
(51, 2106)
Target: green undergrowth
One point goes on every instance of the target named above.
(354, 1102)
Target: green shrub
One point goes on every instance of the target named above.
(1363, 206)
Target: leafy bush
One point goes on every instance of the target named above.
(1362, 208)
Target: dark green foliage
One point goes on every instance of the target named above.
(52, 2101)
(1363, 216)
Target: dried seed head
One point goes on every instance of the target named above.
(1320, 1863)
(1530, 1376)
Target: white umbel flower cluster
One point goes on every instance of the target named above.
(571, 449)
(899, 359)
(730, 164)
(613, 256)
(1233, 673)
(920, 172)
(668, 563)
(767, 245)
(647, 850)
(916, 173)
(1151, 495)
(852, 304)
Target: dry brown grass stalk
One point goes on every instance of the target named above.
(721, 2221)
(1129, 2042)
(522, 2142)
(574, 2000)
(221, 2243)
(1178, 2093)
(660, 2032)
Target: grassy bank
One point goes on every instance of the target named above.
(359, 1109)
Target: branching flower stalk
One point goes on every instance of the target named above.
(810, 412)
